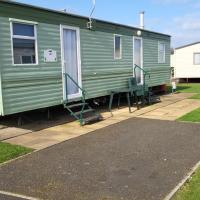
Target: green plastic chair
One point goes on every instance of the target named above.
(139, 90)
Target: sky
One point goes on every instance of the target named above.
(178, 18)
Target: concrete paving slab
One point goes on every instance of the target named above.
(177, 96)
(2, 126)
(11, 132)
(173, 111)
(40, 140)
(6, 197)
(131, 160)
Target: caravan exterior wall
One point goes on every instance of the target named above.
(28, 87)
(184, 62)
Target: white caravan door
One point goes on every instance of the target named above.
(138, 58)
(71, 62)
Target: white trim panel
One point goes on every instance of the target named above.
(79, 94)
(22, 21)
(141, 53)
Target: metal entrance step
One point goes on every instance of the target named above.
(80, 110)
(83, 113)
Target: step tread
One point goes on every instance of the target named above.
(75, 105)
(84, 111)
(92, 118)
(155, 96)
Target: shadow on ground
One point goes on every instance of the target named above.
(37, 120)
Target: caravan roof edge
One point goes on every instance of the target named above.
(187, 45)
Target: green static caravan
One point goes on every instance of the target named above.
(38, 46)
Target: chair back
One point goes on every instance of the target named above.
(132, 84)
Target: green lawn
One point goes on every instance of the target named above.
(196, 96)
(191, 190)
(193, 116)
(187, 88)
(8, 151)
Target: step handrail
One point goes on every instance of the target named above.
(145, 72)
(82, 90)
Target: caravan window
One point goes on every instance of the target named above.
(161, 52)
(117, 47)
(196, 58)
(24, 43)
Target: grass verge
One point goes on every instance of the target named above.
(8, 151)
(189, 87)
(193, 116)
(191, 190)
(196, 96)
(186, 87)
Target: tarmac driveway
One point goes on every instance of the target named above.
(134, 159)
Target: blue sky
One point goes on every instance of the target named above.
(179, 18)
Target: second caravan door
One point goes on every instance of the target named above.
(138, 58)
(71, 62)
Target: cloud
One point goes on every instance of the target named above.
(188, 21)
(184, 29)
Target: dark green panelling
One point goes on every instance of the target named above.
(101, 73)
(158, 76)
(151, 53)
(32, 87)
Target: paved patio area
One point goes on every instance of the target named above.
(170, 108)
(136, 159)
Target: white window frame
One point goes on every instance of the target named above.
(164, 61)
(118, 58)
(194, 58)
(34, 24)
